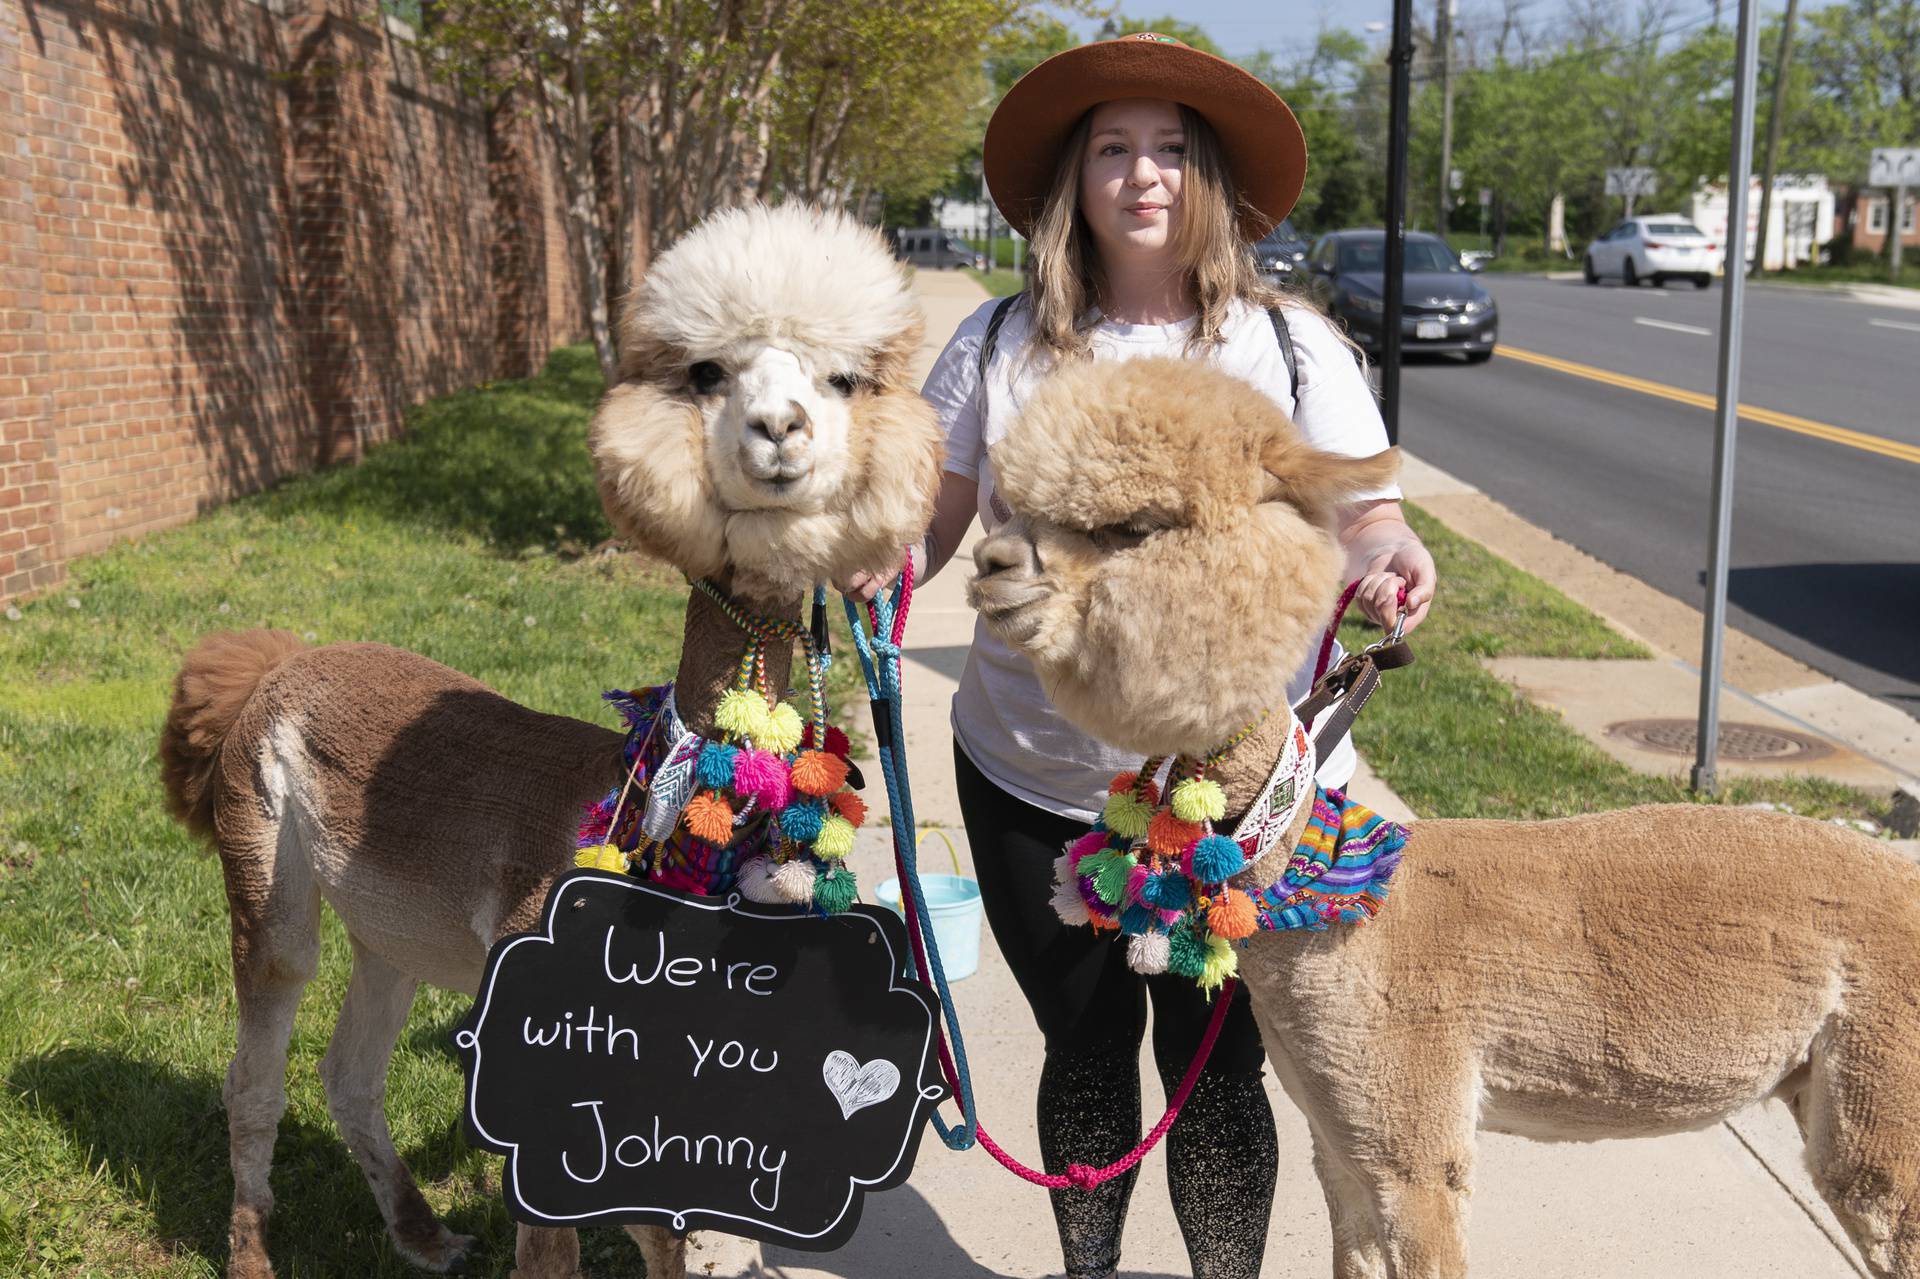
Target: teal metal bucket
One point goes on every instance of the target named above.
(954, 909)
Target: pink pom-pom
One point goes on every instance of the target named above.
(1091, 842)
(763, 776)
(1137, 881)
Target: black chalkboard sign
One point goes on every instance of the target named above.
(699, 1063)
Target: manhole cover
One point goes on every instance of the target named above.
(1737, 741)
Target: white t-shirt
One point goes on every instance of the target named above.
(1002, 718)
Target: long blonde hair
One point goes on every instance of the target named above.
(1068, 277)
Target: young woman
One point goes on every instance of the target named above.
(1139, 169)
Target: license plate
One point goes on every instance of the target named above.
(1427, 330)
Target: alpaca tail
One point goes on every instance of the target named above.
(213, 686)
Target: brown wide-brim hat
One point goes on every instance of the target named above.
(1264, 147)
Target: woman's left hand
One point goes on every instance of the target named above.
(1387, 556)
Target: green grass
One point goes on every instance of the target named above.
(468, 541)
(999, 283)
(1862, 270)
(1452, 738)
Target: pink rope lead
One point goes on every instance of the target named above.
(1078, 1176)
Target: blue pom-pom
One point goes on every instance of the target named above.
(1135, 920)
(801, 820)
(1215, 858)
(1166, 890)
(714, 769)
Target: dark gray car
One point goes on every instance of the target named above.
(1444, 309)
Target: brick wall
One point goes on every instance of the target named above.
(236, 241)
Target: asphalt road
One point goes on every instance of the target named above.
(1826, 524)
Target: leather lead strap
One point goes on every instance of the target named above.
(1347, 688)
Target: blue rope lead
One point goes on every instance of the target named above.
(880, 662)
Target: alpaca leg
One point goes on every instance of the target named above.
(355, 1073)
(1860, 1111)
(1358, 1252)
(539, 1253)
(665, 1255)
(276, 949)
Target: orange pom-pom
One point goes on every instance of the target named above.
(1101, 922)
(1128, 780)
(1168, 836)
(819, 773)
(1231, 915)
(849, 805)
(708, 817)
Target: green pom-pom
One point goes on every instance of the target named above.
(1186, 953)
(740, 712)
(835, 839)
(835, 890)
(1199, 799)
(1110, 880)
(1126, 815)
(1221, 963)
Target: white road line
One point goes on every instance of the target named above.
(1669, 324)
(1895, 324)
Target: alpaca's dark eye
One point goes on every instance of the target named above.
(845, 383)
(705, 376)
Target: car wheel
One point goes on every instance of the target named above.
(1592, 276)
(1629, 276)
(1703, 281)
(1479, 357)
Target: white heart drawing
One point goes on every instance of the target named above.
(855, 1086)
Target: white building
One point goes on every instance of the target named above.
(1800, 222)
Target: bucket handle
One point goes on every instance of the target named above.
(952, 854)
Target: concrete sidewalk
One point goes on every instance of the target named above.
(1730, 1202)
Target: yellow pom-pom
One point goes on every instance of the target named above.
(601, 857)
(1199, 799)
(781, 733)
(708, 817)
(1222, 963)
(741, 713)
(1231, 915)
(1126, 816)
(835, 839)
(1168, 836)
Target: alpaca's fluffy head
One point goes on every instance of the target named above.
(765, 425)
(1172, 554)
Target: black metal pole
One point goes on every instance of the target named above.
(1399, 60)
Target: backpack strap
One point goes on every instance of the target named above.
(1285, 337)
(992, 337)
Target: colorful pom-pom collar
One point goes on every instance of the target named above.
(1154, 870)
(766, 807)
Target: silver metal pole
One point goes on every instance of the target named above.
(1733, 288)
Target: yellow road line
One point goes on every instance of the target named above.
(1765, 417)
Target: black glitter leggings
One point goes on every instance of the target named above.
(1221, 1153)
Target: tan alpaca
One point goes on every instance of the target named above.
(1616, 975)
(765, 433)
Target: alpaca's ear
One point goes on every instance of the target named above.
(1315, 482)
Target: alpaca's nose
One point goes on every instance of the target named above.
(778, 424)
(1005, 552)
